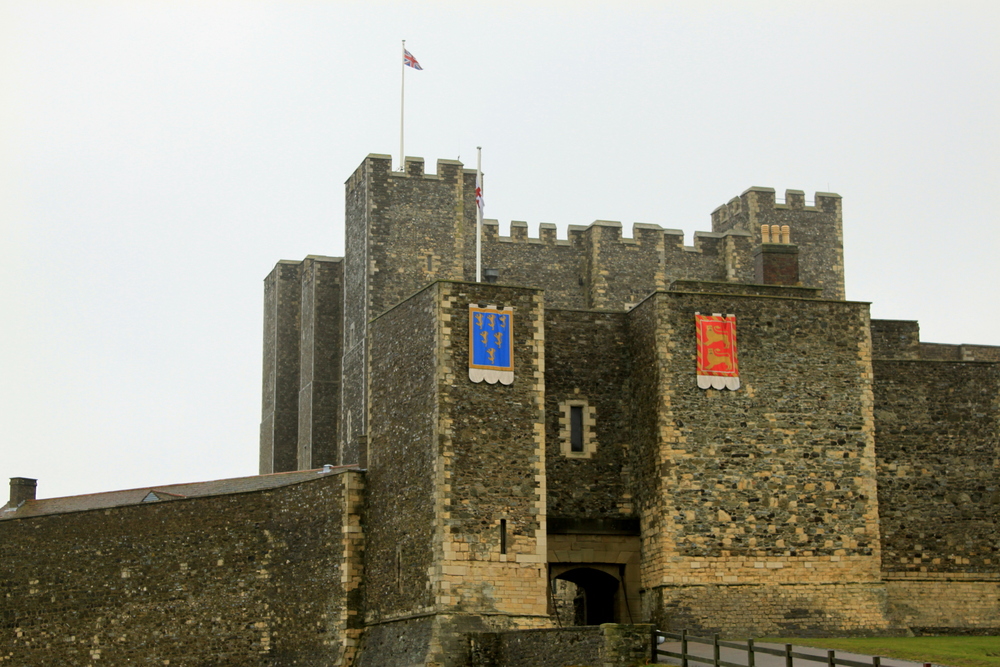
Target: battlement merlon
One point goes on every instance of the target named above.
(610, 231)
(379, 164)
(755, 205)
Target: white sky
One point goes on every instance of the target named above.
(159, 157)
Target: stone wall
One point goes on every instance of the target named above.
(938, 433)
(401, 513)
(791, 610)
(895, 339)
(965, 352)
(816, 230)
(257, 578)
(280, 394)
(586, 361)
(937, 422)
(455, 524)
(320, 354)
(491, 471)
(558, 266)
(415, 229)
(948, 604)
(353, 408)
(772, 485)
(608, 645)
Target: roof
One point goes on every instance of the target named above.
(218, 487)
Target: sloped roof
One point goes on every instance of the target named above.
(164, 493)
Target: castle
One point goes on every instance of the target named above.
(706, 437)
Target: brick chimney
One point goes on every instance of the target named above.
(21, 489)
(776, 259)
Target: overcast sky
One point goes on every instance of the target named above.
(159, 157)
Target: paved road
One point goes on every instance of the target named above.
(763, 660)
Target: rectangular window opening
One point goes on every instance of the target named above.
(503, 536)
(576, 428)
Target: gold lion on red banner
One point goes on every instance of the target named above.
(716, 339)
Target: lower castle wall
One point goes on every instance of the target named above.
(241, 579)
(608, 645)
(946, 605)
(938, 434)
(794, 610)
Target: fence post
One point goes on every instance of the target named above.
(876, 661)
(830, 658)
(653, 636)
(684, 648)
(788, 655)
(750, 658)
(715, 650)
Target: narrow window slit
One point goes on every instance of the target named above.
(576, 428)
(503, 536)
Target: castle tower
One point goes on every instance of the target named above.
(403, 230)
(817, 230)
(303, 305)
(455, 524)
(758, 505)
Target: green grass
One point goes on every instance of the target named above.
(952, 651)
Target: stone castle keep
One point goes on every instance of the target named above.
(406, 515)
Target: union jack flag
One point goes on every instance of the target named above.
(408, 59)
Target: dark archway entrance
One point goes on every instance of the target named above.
(594, 597)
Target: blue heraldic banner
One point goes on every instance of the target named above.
(491, 344)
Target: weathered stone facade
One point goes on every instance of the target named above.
(235, 572)
(847, 486)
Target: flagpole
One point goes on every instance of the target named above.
(479, 214)
(402, 90)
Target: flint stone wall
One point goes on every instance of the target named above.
(246, 579)
(586, 360)
(937, 429)
(607, 645)
(770, 488)
(400, 515)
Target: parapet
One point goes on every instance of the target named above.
(380, 165)
(756, 201)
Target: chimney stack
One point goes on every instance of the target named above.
(776, 259)
(21, 489)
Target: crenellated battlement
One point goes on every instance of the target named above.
(610, 232)
(758, 200)
(421, 227)
(817, 229)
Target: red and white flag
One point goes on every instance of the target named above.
(479, 190)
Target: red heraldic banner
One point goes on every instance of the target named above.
(716, 336)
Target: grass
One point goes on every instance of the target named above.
(952, 651)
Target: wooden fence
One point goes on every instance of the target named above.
(748, 647)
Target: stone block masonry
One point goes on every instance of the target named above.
(607, 645)
(761, 499)
(848, 486)
(302, 348)
(254, 578)
(449, 540)
(937, 426)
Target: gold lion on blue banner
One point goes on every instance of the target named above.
(491, 344)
